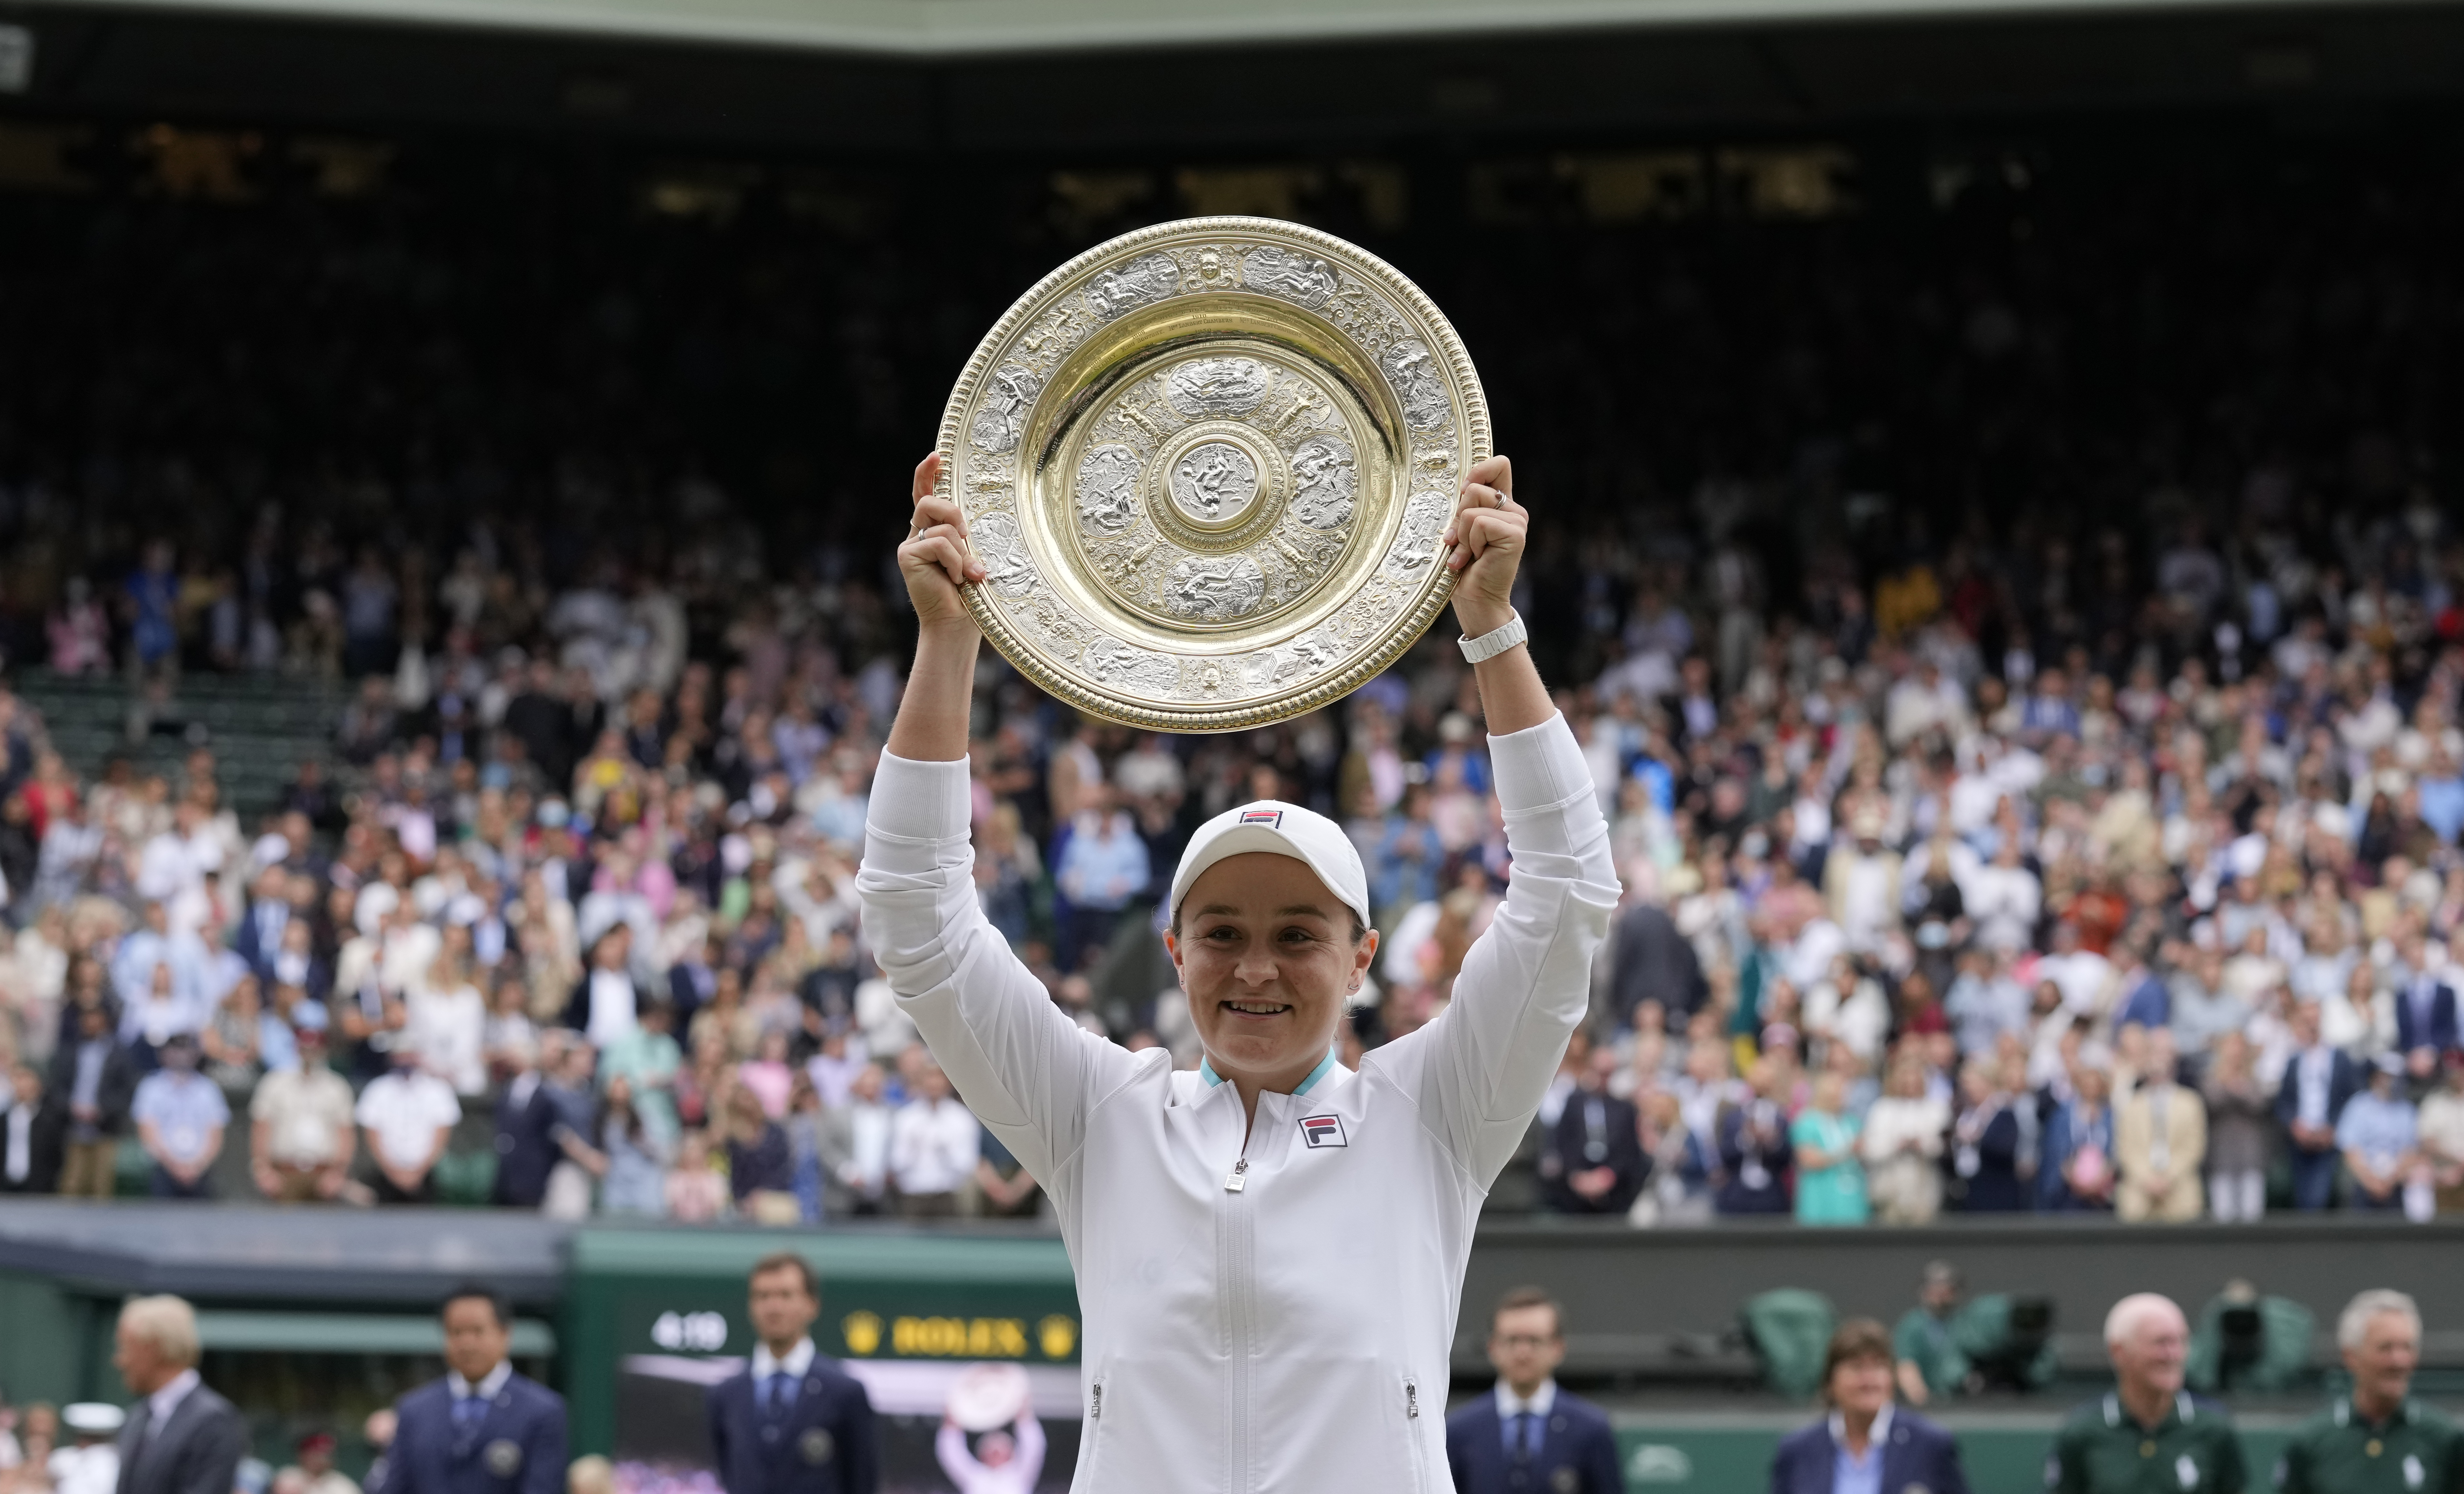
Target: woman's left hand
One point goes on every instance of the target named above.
(1489, 535)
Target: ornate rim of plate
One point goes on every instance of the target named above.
(1207, 465)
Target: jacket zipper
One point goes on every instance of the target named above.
(1238, 1289)
(1094, 1425)
(1412, 1433)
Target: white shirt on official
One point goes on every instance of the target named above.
(1509, 1405)
(489, 1384)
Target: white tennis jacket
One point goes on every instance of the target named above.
(1275, 1316)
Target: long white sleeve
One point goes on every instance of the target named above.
(1028, 1072)
(1479, 1070)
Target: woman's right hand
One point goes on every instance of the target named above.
(934, 557)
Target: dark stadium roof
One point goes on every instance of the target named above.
(977, 28)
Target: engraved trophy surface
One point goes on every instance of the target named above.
(1207, 466)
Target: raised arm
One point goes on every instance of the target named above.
(1027, 1070)
(1525, 982)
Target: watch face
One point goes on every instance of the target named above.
(1207, 466)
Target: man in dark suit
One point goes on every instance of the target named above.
(2319, 1082)
(792, 1422)
(526, 1122)
(1593, 1161)
(482, 1429)
(257, 936)
(1653, 962)
(2426, 1025)
(30, 1135)
(92, 1081)
(1866, 1443)
(181, 1437)
(1529, 1436)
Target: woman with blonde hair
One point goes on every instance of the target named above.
(1903, 1145)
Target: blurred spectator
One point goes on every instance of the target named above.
(1991, 1144)
(1902, 1145)
(853, 1144)
(408, 1115)
(2160, 1141)
(30, 1135)
(1102, 865)
(571, 1122)
(316, 1461)
(696, 1192)
(1003, 1185)
(526, 1122)
(933, 1147)
(92, 1080)
(180, 1116)
(761, 1166)
(1593, 1161)
(2318, 1083)
(2241, 1131)
(2078, 1170)
(2379, 1136)
(301, 1125)
(637, 1149)
(1830, 1176)
(1756, 1148)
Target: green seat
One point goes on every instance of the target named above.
(466, 1178)
(1790, 1330)
(132, 1170)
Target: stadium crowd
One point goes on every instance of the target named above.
(1910, 928)
(2019, 652)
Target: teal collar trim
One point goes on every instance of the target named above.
(1325, 1064)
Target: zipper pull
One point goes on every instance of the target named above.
(1236, 1180)
(1411, 1401)
(1097, 1413)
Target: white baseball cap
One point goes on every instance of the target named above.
(1285, 830)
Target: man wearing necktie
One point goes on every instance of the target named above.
(182, 1438)
(1530, 1437)
(791, 1423)
(482, 1429)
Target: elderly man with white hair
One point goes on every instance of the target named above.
(181, 1437)
(2147, 1434)
(2377, 1437)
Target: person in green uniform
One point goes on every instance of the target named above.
(2378, 1439)
(2148, 1435)
(1927, 1362)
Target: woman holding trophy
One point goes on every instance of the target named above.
(1269, 1250)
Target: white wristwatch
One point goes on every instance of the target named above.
(1489, 645)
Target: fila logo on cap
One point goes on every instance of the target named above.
(1271, 819)
(1322, 1131)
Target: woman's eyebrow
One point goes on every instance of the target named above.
(1310, 908)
